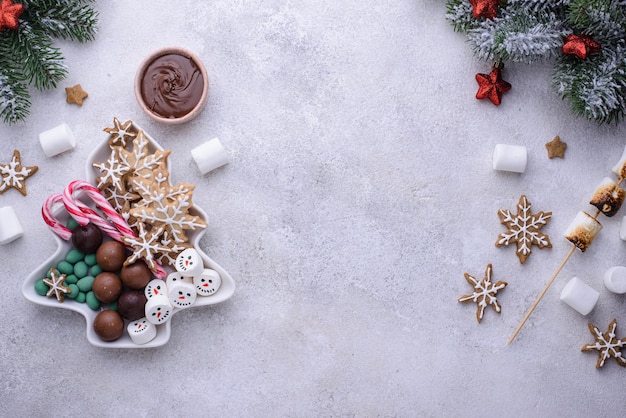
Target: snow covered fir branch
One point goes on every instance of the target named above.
(29, 57)
(584, 39)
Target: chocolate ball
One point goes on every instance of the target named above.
(107, 287)
(108, 325)
(136, 275)
(132, 304)
(111, 255)
(87, 238)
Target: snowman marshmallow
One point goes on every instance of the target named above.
(141, 331)
(207, 283)
(182, 294)
(189, 263)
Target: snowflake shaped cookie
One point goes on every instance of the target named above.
(146, 245)
(607, 344)
(484, 293)
(523, 229)
(120, 132)
(14, 174)
(141, 161)
(56, 285)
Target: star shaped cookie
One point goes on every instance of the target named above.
(556, 148)
(14, 174)
(484, 293)
(56, 285)
(75, 94)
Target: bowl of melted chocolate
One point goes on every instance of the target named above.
(171, 85)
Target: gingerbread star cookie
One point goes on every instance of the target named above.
(56, 285)
(523, 229)
(14, 174)
(484, 294)
(75, 94)
(556, 148)
(607, 344)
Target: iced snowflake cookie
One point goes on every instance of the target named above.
(607, 344)
(484, 294)
(523, 229)
(14, 174)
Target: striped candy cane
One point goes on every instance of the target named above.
(54, 224)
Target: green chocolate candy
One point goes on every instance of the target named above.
(74, 256)
(71, 224)
(90, 259)
(71, 279)
(41, 288)
(113, 306)
(73, 291)
(85, 283)
(80, 298)
(65, 268)
(81, 269)
(92, 301)
(95, 270)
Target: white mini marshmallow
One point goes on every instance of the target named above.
(10, 226)
(210, 155)
(158, 309)
(182, 294)
(141, 331)
(622, 229)
(615, 279)
(510, 158)
(57, 140)
(189, 263)
(580, 296)
(208, 282)
(620, 167)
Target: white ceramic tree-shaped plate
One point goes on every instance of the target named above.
(226, 290)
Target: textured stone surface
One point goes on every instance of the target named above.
(359, 191)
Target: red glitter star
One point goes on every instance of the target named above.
(485, 8)
(580, 45)
(492, 86)
(9, 14)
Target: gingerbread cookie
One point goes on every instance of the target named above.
(556, 148)
(75, 94)
(607, 344)
(14, 174)
(56, 285)
(120, 132)
(484, 293)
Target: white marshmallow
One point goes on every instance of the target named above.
(620, 167)
(580, 296)
(141, 331)
(189, 263)
(210, 155)
(176, 277)
(615, 279)
(182, 294)
(155, 287)
(10, 226)
(158, 309)
(583, 230)
(208, 282)
(622, 229)
(510, 158)
(57, 140)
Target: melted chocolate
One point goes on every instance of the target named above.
(172, 85)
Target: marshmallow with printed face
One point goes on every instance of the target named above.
(615, 279)
(141, 331)
(579, 296)
(10, 226)
(57, 140)
(159, 309)
(583, 230)
(207, 283)
(182, 294)
(209, 155)
(510, 158)
(189, 263)
(176, 277)
(155, 287)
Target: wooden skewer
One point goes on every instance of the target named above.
(543, 292)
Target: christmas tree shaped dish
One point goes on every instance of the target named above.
(64, 246)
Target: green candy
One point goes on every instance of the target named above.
(74, 291)
(95, 270)
(80, 298)
(74, 256)
(113, 306)
(65, 268)
(92, 301)
(81, 269)
(41, 288)
(90, 259)
(71, 279)
(85, 283)
(71, 224)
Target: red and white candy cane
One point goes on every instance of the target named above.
(56, 226)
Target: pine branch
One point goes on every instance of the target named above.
(459, 14)
(74, 20)
(604, 20)
(14, 97)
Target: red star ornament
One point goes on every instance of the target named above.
(485, 8)
(580, 45)
(491, 86)
(9, 14)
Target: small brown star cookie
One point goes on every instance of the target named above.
(75, 94)
(56, 285)
(556, 148)
(14, 174)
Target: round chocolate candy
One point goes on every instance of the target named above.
(107, 287)
(108, 325)
(131, 304)
(111, 255)
(87, 238)
(136, 275)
